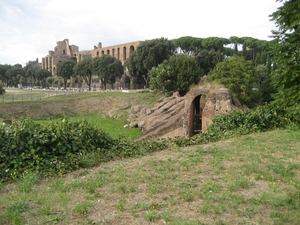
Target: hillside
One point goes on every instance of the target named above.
(110, 103)
(253, 179)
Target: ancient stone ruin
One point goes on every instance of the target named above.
(63, 50)
(185, 116)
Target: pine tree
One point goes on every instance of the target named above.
(286, 50)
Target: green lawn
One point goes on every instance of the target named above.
(114, 127)
(22, 95)
(15, 95)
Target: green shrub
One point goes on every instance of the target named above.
(54, 149)
(61, 147)
(260, 119)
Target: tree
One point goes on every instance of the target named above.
(108, 68)
(148, 54)
(3, 75)
(41, 75)
(50, 81)
(116, 70)
(286, 76)
(264, 85)
(178, 73)
(84, 69)
(255, 50)
(235, 41)
(207, 60)
(13, 73)
(2, 90)
(235, 73)
(21, 80)
(188, 45)
(65, 70)
(215, 43)
(30, 72)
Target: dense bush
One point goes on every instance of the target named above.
(60, 147)
(53, 149)
(234, 123)
(260, 119)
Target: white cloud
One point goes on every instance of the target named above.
(29, 29)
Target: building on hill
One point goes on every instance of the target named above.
(121, 51)
(63, 51)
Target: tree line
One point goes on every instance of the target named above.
(242, 64)
(30, 75)
(107, 68)
(256, 71)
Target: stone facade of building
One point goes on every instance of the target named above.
(64, 51)
(121, 51)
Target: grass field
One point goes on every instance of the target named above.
(116, 128)
(252, 179)
(112, 103)
(24, 95)
(19, 95)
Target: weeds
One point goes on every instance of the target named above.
(26, 183)
(152, 216)
(14, 211)
(82, 208)
(121, 205)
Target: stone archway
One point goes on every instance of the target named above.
(217, 101)
(182, 116)
(195, 101)
(196, 111)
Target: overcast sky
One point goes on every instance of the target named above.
(30, 28)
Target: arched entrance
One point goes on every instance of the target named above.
(196, 110)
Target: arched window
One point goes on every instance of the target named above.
(131, 49)
(124, 53)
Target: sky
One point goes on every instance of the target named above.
(30, 28)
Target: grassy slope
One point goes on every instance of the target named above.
(253, 179)
(92, 107)
(113, 103)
